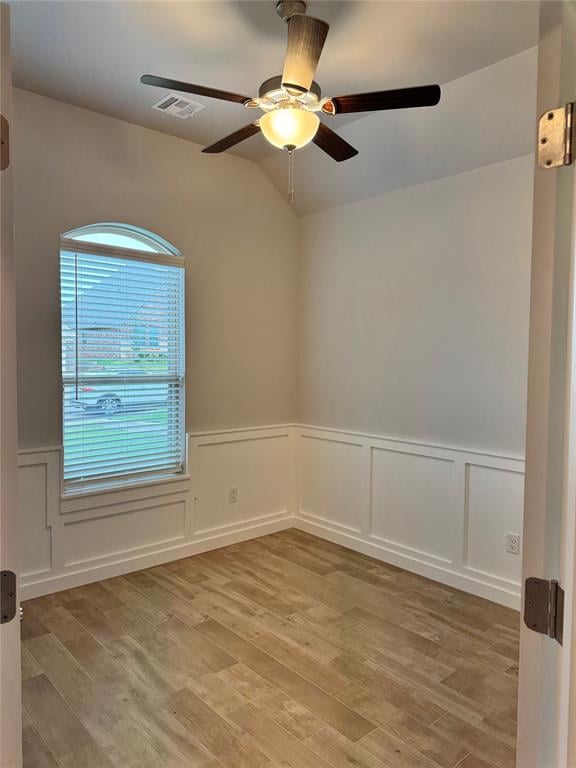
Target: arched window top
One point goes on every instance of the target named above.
(122, 236)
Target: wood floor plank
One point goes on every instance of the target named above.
(99, 664)
(317, 648)
(424, 740)
(384, 705)
(59, 622)
(30, 667)
(89, 756)
(238, 648)
(497, 692)
(443, 696)
(148, 665)
(500, 727)
(223, 741)
(274, 741)
(286, 651)
(281, 651)
(395, 753)
(65, 673)
(35, 753)
(473, 739)
(111, 727)
(173, 582)
(210, 653)
(340, 752)
(31, 626)
(382, 687)
(260, 596)
(482, 661)
(285, 711)
(55, 722)
(172, 740)
(471, 761)
(343, 719)
(303, 560)
(138, 601)
(397, 634)
(93, 620)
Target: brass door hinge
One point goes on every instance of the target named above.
(556, 137)
(544, 607)
(4, 143)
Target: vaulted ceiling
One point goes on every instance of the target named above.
(93, 53)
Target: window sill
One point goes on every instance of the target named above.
(122, 485)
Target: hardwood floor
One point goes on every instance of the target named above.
(282, 652)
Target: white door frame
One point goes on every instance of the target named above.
(546, 730)
(10, 686)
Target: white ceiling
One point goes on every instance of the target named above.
(92, 53)
(485, 117)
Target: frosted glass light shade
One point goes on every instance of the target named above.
(289, 127)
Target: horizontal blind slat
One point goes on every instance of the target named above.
(122, 323)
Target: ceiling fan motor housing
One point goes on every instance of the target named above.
(273, 85)
(288, 8)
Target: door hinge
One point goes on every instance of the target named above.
(7, 596)
(4, 143)
(544, 607)
(556, 137)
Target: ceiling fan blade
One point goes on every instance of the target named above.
(333, 145)
(306, 38)
(235, 138)
(401, 98)
(199, 90)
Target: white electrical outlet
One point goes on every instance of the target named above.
(513, 543)
(232, 495)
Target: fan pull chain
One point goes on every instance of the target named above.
(291, 175)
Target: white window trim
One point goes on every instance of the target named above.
(155, 257)
(175, 259)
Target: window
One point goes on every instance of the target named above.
(122, 301)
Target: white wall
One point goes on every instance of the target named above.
(75, 167)
(411, 326)
(414, 311)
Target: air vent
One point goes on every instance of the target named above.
(178, 106)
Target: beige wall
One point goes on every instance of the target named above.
(414, 311)
(74, 167)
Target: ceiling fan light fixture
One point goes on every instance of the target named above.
(289, 126)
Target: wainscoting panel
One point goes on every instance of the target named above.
(255, 465)
(74, 539)
(124, 532)
(38, 494)
(439, 511)
(413, 504)
(494, 497)
(330, 472)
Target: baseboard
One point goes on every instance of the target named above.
(503, 595)
(57, 583)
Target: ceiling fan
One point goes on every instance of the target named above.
(292, 101)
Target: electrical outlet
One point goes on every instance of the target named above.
(232, 495)
(513, 543)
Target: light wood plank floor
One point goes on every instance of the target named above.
(282, 652)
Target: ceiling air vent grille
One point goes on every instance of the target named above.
(178, 106)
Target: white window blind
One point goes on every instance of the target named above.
(122, 363)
